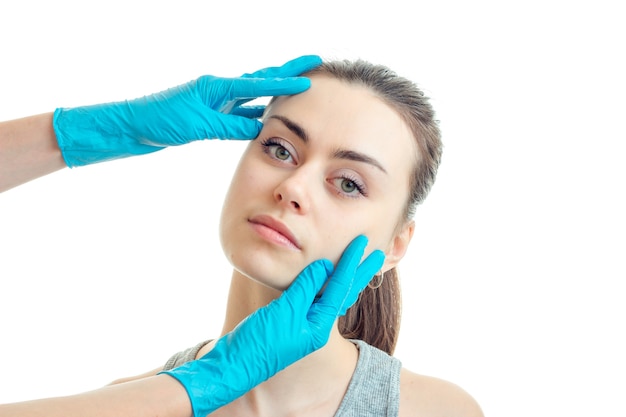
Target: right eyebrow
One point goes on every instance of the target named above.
(298, 130)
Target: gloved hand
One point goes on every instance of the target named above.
(207, 108)
(277, 335)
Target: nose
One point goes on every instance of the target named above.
(292, 193)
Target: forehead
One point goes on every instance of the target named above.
(337, 114)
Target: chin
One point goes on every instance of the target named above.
(267, 280)
(264, 270)
(262, 262)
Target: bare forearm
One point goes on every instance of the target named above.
(155, 396)
(28, 150)
(137, 377)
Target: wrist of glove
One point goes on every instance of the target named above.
(206, 108)
(87, 135)
(279, 334)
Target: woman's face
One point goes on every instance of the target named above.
(330, 164)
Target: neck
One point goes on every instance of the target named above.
(326, 372)
(244, 297)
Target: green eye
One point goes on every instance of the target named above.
(348, 186)
(281, 153)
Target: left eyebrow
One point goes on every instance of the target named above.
(359, 157)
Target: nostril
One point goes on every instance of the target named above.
(295, 204)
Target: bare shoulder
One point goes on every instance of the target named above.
(425, 396)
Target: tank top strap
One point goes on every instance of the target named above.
(374, 390)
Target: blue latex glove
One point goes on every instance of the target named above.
(277, 335)
(207, 108)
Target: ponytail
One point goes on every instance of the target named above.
(375, 317)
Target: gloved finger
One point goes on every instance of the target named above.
(251, 112)
(227, 126)
(308, 283)
(351, 257)
(224, 94)
(250, 88)
(228, 106)
(364, 273)
(291, 68)
(341, 282)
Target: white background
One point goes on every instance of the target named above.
(513, 286)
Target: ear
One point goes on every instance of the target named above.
(399, 245)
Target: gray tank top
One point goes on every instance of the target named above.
(374, 389)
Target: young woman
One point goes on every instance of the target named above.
(352, 155)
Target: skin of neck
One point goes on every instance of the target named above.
(316, 383)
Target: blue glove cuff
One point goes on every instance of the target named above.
(207, 384)
(87, 135)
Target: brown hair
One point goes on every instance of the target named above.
(375, 317)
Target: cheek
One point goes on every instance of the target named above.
(378, 224)
(240, 190)
(337, 231)
(247, 182)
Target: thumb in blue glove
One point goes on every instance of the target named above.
(279, 334)
(206, 108)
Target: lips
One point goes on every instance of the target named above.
(274, 230)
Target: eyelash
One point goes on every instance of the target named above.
(360, 187)
(269, 143)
